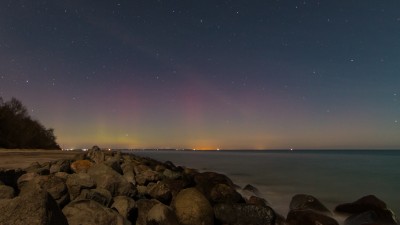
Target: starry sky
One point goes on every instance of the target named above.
(262, 74)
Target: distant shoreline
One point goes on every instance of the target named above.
(21, 158)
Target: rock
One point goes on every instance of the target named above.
(142, 190)
(90, 212)
(308, 202)
(366, 203)
(161, 192)
(145, 177)
(25, 179)
(367, 210)
(242, 214)
(144, 206)
(170, 165)
(81, 166)
(140, 168)
(159, 168)
(114, 163)
(57, 189)
(95, 148)
(127, 171)
(6, 192)
(177, 185)
(192, 208)
(35, 167)
(213, 178)
(173, 175)
(206, 182)
(251, 189)
(55, 186)
(254, 200)
(96, 154)
(379, 216)
(107, 178)
(222, 193)
(126, 207)
(117, 154)
(161, 214)
(37, 207)
(99, 195)
(309, 217)
(61, 166)
(62, 175)
(77, 182)
(190, 171)
(280, 220)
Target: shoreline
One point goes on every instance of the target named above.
(11, 159)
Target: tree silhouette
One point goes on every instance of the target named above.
(19, 130)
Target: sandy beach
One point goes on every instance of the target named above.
(21, 158)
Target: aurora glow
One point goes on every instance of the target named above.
(206, 74)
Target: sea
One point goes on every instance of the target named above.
(332, 176)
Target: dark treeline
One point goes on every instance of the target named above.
(19, 130)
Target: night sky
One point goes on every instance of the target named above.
(206, 74)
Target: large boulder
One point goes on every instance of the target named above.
(170, 165)
(161, 192)
(53, 184)
(366, 203)
(115, 164)
(222, 193)
(36, 167)
(251, 190)
(90, 212)
(382, 216)
(254, 200)
(308, 202)
(25, 179)
(77, 182)
(212, 178)
(309, 217)
(367, 210)
(107, 178)
(192, 208)
(96, 154)
(127, 172)
(99, 195)
(146, 176)
(144, 206)
(81, 166)
(62, 175)
(6, 192)
(217, 188)
(177, 185)
(170, 174)
(35, 208)
(243, 214)
(161, 214)
(140, 168)
(126, 207)
(61, 165)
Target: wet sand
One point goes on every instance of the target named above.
(21, 158)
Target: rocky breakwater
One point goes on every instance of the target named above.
(106, 187)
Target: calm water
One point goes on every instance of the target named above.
(332, 176)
